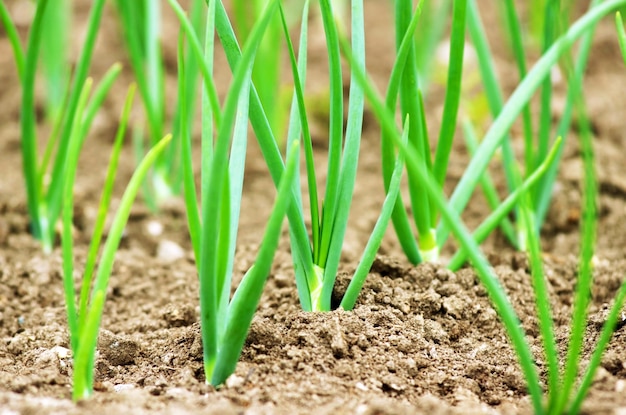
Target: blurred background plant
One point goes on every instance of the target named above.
(43, 173)
(141, 22)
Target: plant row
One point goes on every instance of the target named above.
(280, 116)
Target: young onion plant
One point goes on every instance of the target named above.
(432, 234)
(266, 72)
(405, 83)
(141, 23)
(316, 258)
(567, 383)
(225, 321)
(85, 312)
(554, 18)
(43, 174)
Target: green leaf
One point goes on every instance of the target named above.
(369, 254)
(68, 222)
(14, 39)
(105, 198)
(515, 104)
(248, 293)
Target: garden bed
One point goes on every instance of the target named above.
(421, 338)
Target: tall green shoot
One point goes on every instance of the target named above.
(44, 175)
(141, 22)
(224, 320)
(317, 260)
(84, 314)
(554, 18)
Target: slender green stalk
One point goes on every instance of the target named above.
(141, 22)
(453, 93)
(84, 314)
(40, 225)
(516, 102)
(44, 202)
(14, 39)
(225, 322)
(54, 56)
(68, 213)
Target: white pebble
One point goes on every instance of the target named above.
(154, 228)
(169, 251)
(123, 387)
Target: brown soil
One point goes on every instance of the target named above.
(420, 340)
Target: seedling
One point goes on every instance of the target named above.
(484, 152)
(141, 24)
(44, 178)
(562, 395)
(224, 321)
(84, 315)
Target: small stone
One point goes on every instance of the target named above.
(179, 316)
(57, 353)
(361, 386)
(234, 381)
(123, 387)
(117, 350)
(154, 228)
(169, 251)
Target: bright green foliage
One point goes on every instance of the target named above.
(314, 282)
(554, 17)
(317, 260)
(266, 72)
(141, 26)
(44, 196)
(213, 230)
(497, 134)
(84, 315)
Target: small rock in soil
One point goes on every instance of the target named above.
(117, 350)
(169, 251)
(179, 316)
